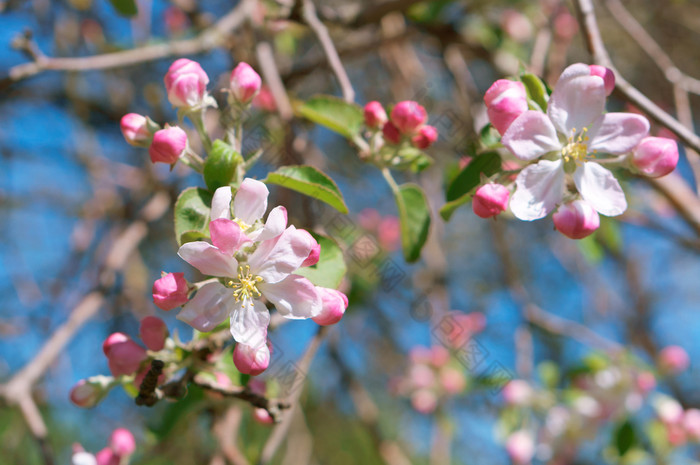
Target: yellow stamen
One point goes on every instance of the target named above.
(245, 285)
(576, 149)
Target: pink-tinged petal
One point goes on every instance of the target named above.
(249, 322)
(540, 188)
(333, 306)
(251, 360)
(599, 188)
(227, 236)
(294, 297)
(221, 203)
(277, 258)
(250, 202)
(210, 307)
(617, 133)
(531, 135)
(274, 226)
(208, 259)
(576, 102)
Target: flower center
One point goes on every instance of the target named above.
(246, 285)
(241, 223)
(576, 149)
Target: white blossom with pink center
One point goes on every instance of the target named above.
(253, 260)
(568, 139)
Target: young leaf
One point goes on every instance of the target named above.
(536, 89)
(220, 165)
(192, 210)
(333, 113)
(125, 7)
(414, 214)
(625, 437)
(330, 269)
(309, 181)
(470, 177)
(449, 208)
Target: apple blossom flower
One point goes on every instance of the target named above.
(576, 219)
(505, 100)
(520, 447)
(135, 130)
(424, 401)
(421, 376)
(333, 306)
(490, 200)
(439, 356)
(264, 269)
(251, 360)
(673, 359)
(186, 84)
(572, 133)
(153, 332)
(420, 354)
(170, 291)
(668, 409)
(375, 115)
(245, 83)
(107, 457)
(452, 380)
(655, 156)
(168, 145)
(123, 354)
(426, 136)
(517, 392)
(122, 442)
(646, 382)
(408, 116)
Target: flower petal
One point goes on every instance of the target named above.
(599, 188)
(577, 100)
(540, 188)
(274, 226)
(294, 297)
(249, 321)
(227, 236)
(221, 203)
(617, 133)
(531, 135)
(210, 307)
(278, 257)
(208, 259)
(250, 202)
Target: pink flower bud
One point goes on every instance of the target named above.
(153, 332)
(655, 156)
(107, 457)
(426, 136)
(673, 359)
(333, 305)
(408, 116)
(576, 219)
(421, 376)
(646, 382)
(250, 360)
(517, 392)
(391, 133)
(135, 130)
(691, 423)
(675, 434)
(167, 145)
(420, 354)
(607, 75)
(262, 416)
(389, 232)
(505, 100)
(186, 83)
(122, 442)
(86, 394)
(439, 356)
(424, 401)
(375, 115)
(452, 380)
(520, 447)
(265, 100)
(490, 200)
(245, 83)
(170, 291)
(124, 355)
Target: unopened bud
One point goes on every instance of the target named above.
(245, 83)
(107, 457)
(167, 145)
(576, 219)
(87, 393)
(170, 291)
(408, 116)
(251, 360)
(505, 100)
(333, 306)
(122, 442)
(153, 332)
(124, 355)
(375, 115)
(135, 130)
(262, 416)
(655, 156)
(426, 136)
(186, 83)
(490, 200)
(391, 133)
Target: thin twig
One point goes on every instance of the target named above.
(266, 58)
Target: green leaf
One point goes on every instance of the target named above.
(192, 236)
(449, 208)
(125, 7)
(536, 90)
(625, 437)
(489, 137)
(330, 269)
(220, 165)
(309, 181)
(192, 211)
(333, 113)
(487, 164)
(414, 214)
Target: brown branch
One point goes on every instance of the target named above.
(266, 58)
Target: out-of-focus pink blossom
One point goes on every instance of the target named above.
(691, 423)
(375, 115)
(389, 233)
(427, 135)
(153, 332)
(517, 392)
(520, 447)
(424, 401)
(245, 83)
(673, 359)
(262, 416)
(452, 380)
(122, 442)
(170, 291)
(516, 25)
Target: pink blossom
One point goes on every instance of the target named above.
(135, 130)
(606, 74)
(391, 133)
(176, 20)
(251, 360)
(490, 200)
(315, 253)
(262, 416)
(439, 356)
(420, 354)
(505, 101)
(673, 359)
(646, 382)
(245, 83)
(675, 434)
(123, 354)
(333, 305)
(83, 458)
(691, 423)
(517, 392)
(265, 100)
(408, 116)
(107, 457)
(389, 232)
(520, 447)
(375, 115)
(421, 376)
(424, 401)
(516, 25)
(426, 136)
(655, 156)
(576, 219)
(170, 291)
(122, 442)
(668, 409)
(186, 84)
(452, 380)
(167, 145)
(153, 332)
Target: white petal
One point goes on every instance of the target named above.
(276, 258)
(540, 188)
(599, 188)
(531, 135)
(576, 103)
(221, 203)
(210, 307)
(249, 321)
(250, 202)
(83, 458)
(294, 297)
(617, 133)
(208, 259)
(274, 226)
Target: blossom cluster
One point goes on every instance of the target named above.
(121, 446)
(562, 151)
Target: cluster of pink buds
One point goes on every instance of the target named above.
(564, 149)
(408, 120)
(681, 425)
(121, 446)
